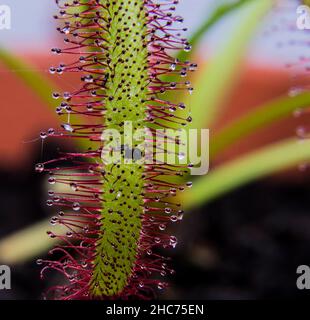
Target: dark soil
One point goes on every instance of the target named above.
(245, 245)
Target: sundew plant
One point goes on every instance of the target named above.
(116, 214)
(113, 221)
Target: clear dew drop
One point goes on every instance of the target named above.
(39, 262)
(174, 218)
(52, 70)
(67, 127)
(69, 234)
(39, 167)
(55, 95)
(173, 66)
(173, 241)
(89, 78)
(190, 90)
(183, 73)
(187, 48)
(157, 240)
(189, 184)
(51, 193)
(59, 70)
(180, 215)
(160, 286)
(66, 29)
(49, 203)
(51, 234)
(66, 95)
(43, 135)
(162, 227)
(167, 210)
(53, 221)
(193, 67)
(56, 51)
(51, 180)
(76, 206)
(182, 106)
(51, 131)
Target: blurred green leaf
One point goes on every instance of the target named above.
(40, 85)
(215, 81)
(27, 243)
(260, 117)
(33, 79)
(219, 13)
(256, 165)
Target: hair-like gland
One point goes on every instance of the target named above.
(116, 213)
